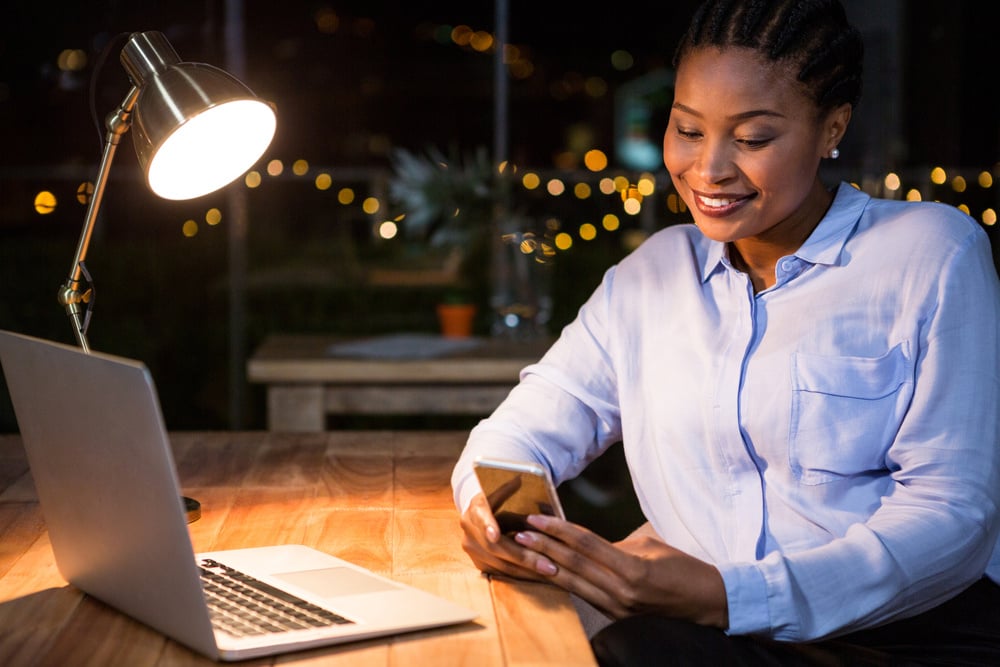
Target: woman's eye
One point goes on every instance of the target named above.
(754, 143)
(688, 134)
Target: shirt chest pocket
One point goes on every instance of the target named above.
(845, 412)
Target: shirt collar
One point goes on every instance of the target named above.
(824, 245)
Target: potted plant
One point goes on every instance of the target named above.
(447, 204)
(456, 313)
(459, 206)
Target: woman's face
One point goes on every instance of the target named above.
(743, 146)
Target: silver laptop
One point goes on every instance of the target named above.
(99, 454)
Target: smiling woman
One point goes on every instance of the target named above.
(798, 380)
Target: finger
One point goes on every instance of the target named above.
(480, 509)
(548, 555)
(561, 529)
(505, 561)
(502, 556)
(578, 540)
(534, 558)
(490, 527)
(590, 582)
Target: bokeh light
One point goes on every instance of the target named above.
(45, 202)
(323, 181)
(84, 192)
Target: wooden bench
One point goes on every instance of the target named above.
(310, 377)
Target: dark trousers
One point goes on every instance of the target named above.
(963, 631)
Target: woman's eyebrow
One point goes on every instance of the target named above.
(743, 115)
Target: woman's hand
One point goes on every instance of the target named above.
(640, 574)
(492, 552)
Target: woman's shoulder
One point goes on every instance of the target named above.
(928, 228)
(676, 252)
(924, 216)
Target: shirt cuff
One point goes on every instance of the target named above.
(746, 595)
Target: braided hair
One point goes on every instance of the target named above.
(813, 36)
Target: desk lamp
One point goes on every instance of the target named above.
(196, 129)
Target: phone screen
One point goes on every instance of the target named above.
(515, 490)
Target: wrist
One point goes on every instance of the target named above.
(714, 610)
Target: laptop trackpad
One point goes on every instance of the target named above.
(332, 582)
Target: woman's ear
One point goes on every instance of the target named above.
(835, 127)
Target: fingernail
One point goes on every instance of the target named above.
(491, 534)
(545, 566)
(538, 520)
(523, 538)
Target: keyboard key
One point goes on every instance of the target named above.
(241, 605)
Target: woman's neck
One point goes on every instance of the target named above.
(757, 256)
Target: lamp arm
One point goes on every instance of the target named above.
(70, 296)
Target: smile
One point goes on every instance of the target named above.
(715, 203)
(719, 205)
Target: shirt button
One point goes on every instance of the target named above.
(788, 265)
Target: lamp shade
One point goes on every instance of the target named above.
(195, 127)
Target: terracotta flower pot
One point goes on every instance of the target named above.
(456, 319)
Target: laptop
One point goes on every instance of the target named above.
(107, 485)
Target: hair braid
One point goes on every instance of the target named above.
(792, 32)
(719, 20)
(752, 16)
(812, 35)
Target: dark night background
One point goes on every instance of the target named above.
(351, 80)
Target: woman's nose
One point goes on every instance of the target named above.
(714, 163)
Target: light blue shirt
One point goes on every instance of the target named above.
(830, 444)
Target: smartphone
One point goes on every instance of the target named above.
(515, 489)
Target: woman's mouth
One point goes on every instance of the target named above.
(721, 205)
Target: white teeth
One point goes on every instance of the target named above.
(715, 203)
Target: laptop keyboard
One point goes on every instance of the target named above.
(243, 606)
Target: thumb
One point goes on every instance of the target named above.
(481, 508)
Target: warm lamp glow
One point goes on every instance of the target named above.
(211, 150)
(195, 128)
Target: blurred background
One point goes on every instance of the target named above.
(323, 236)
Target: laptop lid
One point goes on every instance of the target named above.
(94, 438)
(101, 460)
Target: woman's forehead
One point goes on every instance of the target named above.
(731, 73)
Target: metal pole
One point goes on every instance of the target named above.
(500, 83)
(69, 294)
(237, 221)
(499, 263)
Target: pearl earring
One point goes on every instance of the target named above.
(835, 153)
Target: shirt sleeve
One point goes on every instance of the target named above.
(562, 414)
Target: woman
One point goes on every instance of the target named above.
(805, 382)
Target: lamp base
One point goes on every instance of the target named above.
(192, 508)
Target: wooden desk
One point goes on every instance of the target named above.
(305, 382)
(380, 499)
